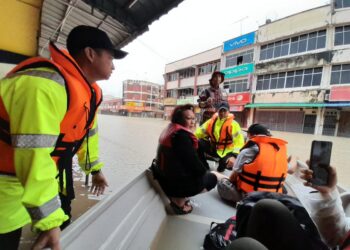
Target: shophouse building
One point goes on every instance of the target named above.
(302, 73)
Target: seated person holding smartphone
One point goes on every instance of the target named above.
(327, 211)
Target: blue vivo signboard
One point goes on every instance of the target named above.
(238, 71)
(239, 42)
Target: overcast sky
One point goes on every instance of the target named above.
(195, 26)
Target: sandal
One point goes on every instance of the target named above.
(180, 210)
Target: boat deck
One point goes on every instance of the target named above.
(188, 231)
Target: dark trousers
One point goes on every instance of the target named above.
(67, 208)
(10, 241)
(205, 147)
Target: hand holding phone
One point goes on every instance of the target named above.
(320, 159)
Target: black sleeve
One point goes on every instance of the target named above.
(183, 146)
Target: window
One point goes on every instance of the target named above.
(172, 76)
(340, 74)
(236, 86)
(342, 35)
(294, 45)
(186, 92)
(209, 68)
(263, 52)
(342, 4)
(240, 58)
(186, 73)
(259, 83)
(171, 93)
(292, 79)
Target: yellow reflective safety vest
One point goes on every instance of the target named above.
(225, 134)
(47, 109)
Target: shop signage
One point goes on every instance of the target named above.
(239, 98)
(339, 94)
(239, 42)
(240, 70)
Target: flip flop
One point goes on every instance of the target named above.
(180, 210)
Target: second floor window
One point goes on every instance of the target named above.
(236, 86)
(240, 58)
(208, 68)
(172, 76)
(298, 44)
(342, 35)
(290, 79)
(340, 74)
(342, 4)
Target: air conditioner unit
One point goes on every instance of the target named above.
(326, 97)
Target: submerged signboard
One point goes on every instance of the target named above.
(239, 42)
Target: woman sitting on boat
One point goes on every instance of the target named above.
(178, 167)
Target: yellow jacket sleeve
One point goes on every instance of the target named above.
(238, 138)
(88, 154)
(201, 131)
(36, 105)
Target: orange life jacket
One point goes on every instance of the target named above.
(225, 139)
(268, 170)
(83, 101)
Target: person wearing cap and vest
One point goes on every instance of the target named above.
(221, 137)
(262, 165)
(211, 97)
(47, 115)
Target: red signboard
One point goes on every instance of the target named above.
(239, 98)
(339, 93)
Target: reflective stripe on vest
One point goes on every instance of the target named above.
(37, 213)
(89, 165)
(33, 141)
(267, 172)
(92, 132)
(54, 76)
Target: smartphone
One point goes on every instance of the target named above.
(320, 159)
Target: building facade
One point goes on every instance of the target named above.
(186, 78)
(292, 74)
(302, 73)
(142, 98)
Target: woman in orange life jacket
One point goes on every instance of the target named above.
(263, 157)
(178, 167)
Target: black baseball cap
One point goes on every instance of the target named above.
(223, 105)
(84, 36)
(258, 129)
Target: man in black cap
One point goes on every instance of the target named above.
(48, 113)
(220, 137)
(262, 165)
(211, 97)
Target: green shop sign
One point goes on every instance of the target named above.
(240, 70)
(186, 100)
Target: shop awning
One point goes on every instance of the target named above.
(297, 105)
